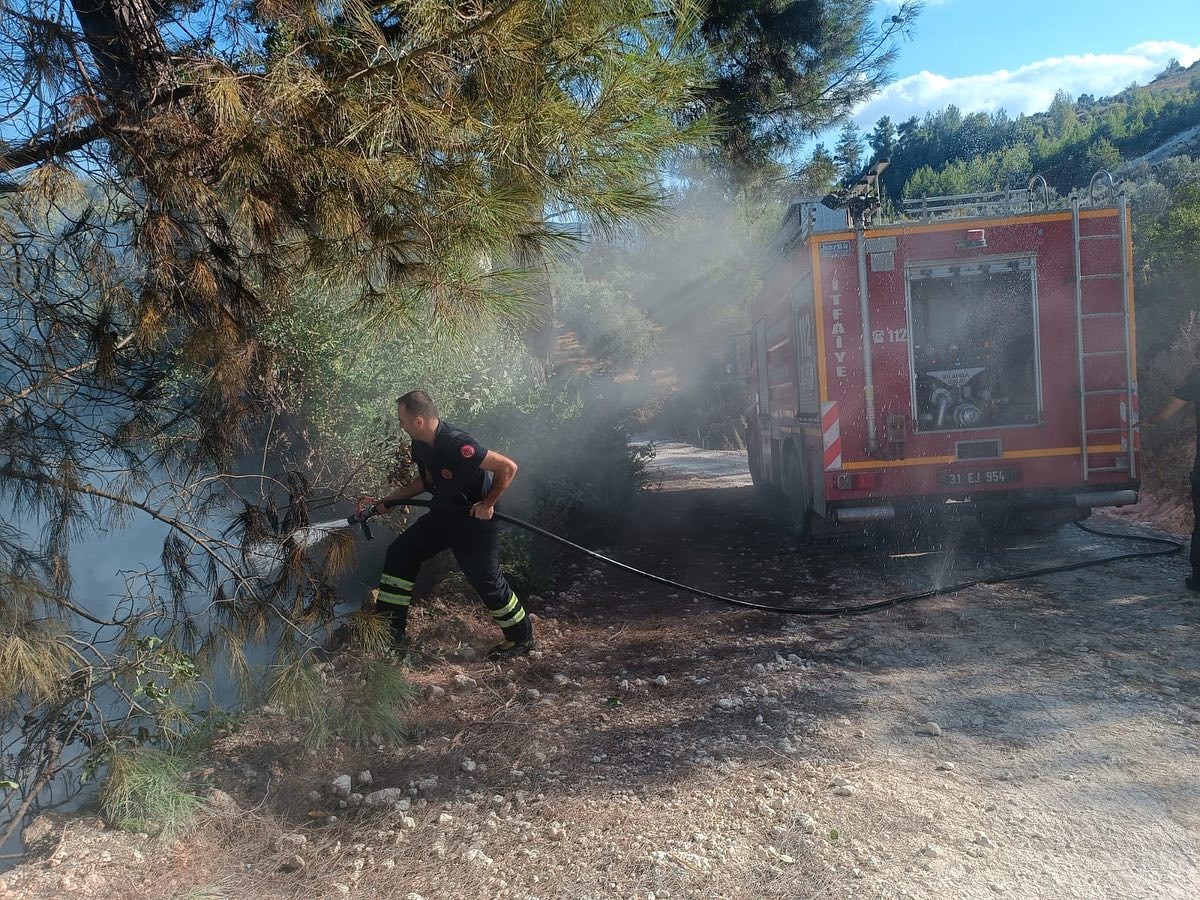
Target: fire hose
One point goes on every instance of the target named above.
(1167, 546)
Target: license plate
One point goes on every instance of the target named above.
(980, 477)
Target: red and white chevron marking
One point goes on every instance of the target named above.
(831, 432)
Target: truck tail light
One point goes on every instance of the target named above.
(976, 238)
(864, 481)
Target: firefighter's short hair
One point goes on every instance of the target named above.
(418, 403)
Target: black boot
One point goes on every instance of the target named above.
(509, 649)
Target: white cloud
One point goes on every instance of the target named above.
(1028, 89)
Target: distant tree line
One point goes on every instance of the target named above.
(949, 152)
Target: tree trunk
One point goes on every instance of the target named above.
(128, 49)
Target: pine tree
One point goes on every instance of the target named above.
(176, 177)
(781, 71)
(883, 139)
(847, 152)
(818, 174)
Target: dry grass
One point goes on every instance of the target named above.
(610, 785)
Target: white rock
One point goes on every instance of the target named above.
(386, 796)
(661, 680)
(477, 857)
(445, 819)
(436, 691)
(533, 694)
(846, 790)
(364, 777)
(468, 765)
(945, 766)
(932, 850)
(408, 822)
(560, 679)
(464, 683)
(932, 729)
(413, 895)
(983, 840)
(340, 786)
(807, 824)
(341, 889)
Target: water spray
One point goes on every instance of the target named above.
(266, 558)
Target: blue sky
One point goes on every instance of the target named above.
(983, 55)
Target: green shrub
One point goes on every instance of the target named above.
(375, 710)
(579, 477)
(1170, 447)
(149, 790)
(578, 473)
(615, 332)
(708, 411)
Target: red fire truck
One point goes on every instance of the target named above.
(977, 356)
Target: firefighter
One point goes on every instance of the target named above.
(1189, 392)
(466, 480)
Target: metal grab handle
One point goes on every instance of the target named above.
(1112, 187)
(1036, 179)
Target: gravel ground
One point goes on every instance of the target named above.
(1038, 738)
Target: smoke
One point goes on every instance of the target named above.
(690, 282)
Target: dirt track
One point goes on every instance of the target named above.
(1068, 756)
(666, 747)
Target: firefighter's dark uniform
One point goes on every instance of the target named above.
(451, 471)
(1190, 391)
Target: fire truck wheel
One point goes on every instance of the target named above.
(754, 462)
(796, 491)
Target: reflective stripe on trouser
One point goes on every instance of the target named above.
(395, 591)
(510, 614)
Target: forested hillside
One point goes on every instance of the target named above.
(949, 152)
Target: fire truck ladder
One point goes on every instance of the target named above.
(1105, 370)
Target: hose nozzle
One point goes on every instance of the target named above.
(362, 512)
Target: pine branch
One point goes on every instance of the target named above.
(10, 399)
(76, 139)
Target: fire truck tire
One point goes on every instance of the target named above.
(795, 489)
(754, 461)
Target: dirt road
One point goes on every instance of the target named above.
(1065, 758)
(1039, 739)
